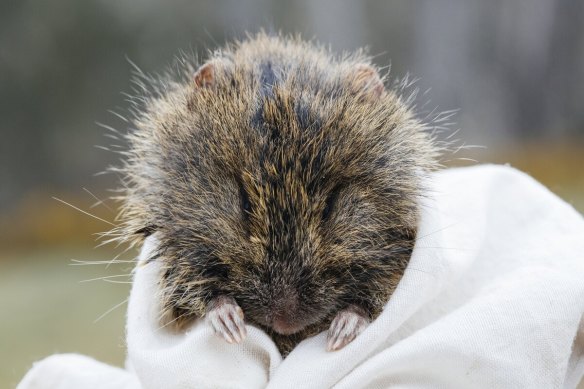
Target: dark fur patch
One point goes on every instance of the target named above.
(267, 79)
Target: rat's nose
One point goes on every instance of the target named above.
(285, 318)
(282, 324)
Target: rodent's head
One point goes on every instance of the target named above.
(278, 175)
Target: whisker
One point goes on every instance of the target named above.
(117, 256)
(106, 277)
(99, 202)
(78, 262)
(420, 270)
(434, 232)
(117, 282)
(170, 322)
(110, 310)
(443, 248)
(82, 211)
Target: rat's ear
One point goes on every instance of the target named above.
(205, 76)
(366, 80)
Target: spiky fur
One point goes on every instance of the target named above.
(280, 185)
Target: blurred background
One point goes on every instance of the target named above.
(515, 71)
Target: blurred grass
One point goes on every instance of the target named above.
(46, 309)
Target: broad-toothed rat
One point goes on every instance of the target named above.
(282, 183)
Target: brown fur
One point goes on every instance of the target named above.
(280, 175)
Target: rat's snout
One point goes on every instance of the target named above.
(285, 325)
(285, 317)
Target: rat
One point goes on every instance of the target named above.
(282, 182)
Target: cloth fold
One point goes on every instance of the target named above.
(493, 297)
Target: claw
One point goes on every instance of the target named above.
(226, 319)
(347, 324)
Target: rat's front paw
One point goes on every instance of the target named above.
(347, 324)
(226, 318)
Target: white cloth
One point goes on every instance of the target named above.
(493, 298)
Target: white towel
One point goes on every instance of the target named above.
(493, 298)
